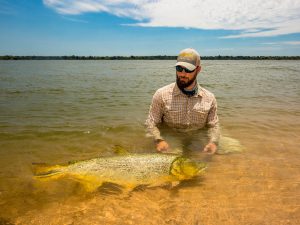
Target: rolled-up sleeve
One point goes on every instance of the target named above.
(155, 116)
(213, 123)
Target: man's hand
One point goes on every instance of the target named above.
(162, 145)
(210, 148)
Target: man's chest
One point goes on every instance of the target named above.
(181, 111)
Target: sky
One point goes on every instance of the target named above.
(149, 27)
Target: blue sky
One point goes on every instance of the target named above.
(149, 27)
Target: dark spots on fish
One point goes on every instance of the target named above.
(143, 175)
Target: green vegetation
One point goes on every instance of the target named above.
(158, 57)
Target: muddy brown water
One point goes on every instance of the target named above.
(59, 111)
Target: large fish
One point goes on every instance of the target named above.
(128, 171)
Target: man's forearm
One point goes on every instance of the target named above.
(214, 133)
(153, 131)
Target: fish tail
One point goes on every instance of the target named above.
(42, 171)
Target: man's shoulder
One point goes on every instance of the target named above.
(206, 93)
(166, 89)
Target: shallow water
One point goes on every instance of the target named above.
(58, 111)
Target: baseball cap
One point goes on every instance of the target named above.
(189, 58)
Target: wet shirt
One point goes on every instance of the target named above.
(185, 113)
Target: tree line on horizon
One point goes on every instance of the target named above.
(158, 57)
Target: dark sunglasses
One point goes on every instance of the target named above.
(180, 69)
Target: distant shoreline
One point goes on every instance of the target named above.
(158, 57)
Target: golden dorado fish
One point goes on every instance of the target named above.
(128, 171)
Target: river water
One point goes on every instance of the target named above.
(59, 111)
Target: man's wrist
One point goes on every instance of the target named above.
(158, 140)
(216, 143)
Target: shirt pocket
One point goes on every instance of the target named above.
(199, 117)
(173, 117)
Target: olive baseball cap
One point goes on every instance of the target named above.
(188, 58)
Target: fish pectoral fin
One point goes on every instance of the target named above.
(89, 183)
(141, 187)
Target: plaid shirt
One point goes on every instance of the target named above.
(177, 110)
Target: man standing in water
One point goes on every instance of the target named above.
(184, 105)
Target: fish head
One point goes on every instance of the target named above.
(184, 168)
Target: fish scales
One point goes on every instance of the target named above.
(132, 167)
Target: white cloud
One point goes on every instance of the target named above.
(292, 42)
(255, 18)
(74, 20)
(281, 43)
(75, 7)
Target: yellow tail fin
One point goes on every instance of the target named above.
(42, 171)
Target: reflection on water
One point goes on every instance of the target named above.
(59, 111)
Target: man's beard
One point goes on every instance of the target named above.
(182, 84)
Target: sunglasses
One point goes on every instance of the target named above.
(180, 69)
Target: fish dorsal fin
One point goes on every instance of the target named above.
(119, 150)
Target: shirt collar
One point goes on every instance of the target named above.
(177, 91)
